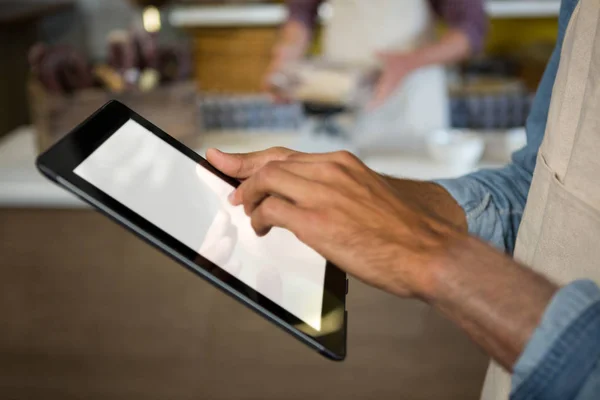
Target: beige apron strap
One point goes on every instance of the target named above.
(564, 122)
(569, 92)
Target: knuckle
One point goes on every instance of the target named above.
(240, 192)
(334, 169)
(347, 157)
(256, 224)
(281, 152)
(273, 165)
(268, 208)
(247, 209)
(263, 215)
(289, 153)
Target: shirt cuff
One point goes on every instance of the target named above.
(483, 220)
(565, 309)
(461, 189)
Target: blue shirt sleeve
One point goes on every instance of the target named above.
(561, 359)
(494, 200)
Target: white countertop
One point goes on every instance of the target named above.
(275, 14)
(523, 8)
(21, 185)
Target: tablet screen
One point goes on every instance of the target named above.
(170, 190)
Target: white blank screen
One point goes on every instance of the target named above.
(153, 179)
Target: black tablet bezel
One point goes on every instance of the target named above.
(58, 164)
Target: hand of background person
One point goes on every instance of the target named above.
(293, 43)
(396, 67)
(346, 212)
(283, 56)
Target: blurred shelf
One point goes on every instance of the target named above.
(226, 15)
(275, 14)
(523, 8)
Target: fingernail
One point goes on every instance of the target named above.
(231, 197)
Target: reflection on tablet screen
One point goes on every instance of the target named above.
(170, 190)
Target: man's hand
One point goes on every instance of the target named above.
(346, 212)
(392, 234)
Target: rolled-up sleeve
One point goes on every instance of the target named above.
(468, 16)
(494, 200)
(304, 11)
(561, 359)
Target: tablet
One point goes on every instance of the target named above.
(168, 195)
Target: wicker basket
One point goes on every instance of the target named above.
(233, 59)
(173, 108)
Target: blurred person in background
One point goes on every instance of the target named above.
(538, 314)
(401, 39)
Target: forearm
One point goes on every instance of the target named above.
(293, 41)
(292, 45)
(453, 47)
(497, 302)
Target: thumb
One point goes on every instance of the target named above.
(242, 166)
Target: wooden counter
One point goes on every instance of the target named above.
(90, 312)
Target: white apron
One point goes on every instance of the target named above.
(560, 232)
(361, 28)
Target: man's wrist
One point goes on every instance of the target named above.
(434, 198)
(442, 264)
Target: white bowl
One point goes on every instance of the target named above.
(500, 145)
(456, 147)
